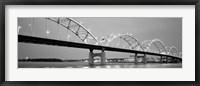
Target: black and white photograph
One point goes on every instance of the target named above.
(99, 42)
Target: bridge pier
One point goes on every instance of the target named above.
(167, 58)
(102, 55)
(136, 62)
(91, 60)
(161, 59)
(145, 59)
(103, 58)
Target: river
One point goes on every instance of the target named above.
(96, 65)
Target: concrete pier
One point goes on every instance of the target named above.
(102, 55)
(103, 58)
(91, 60)
(136, 62)
(145, 59)
(167, 58)
(161, 59)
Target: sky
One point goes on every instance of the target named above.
(168, 30)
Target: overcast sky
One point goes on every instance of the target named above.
(168, 30)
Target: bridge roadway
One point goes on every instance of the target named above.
(45, 41)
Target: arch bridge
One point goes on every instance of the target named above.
(84, 34)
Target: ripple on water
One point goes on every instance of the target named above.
(85, 65)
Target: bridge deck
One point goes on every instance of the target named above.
(45, 41)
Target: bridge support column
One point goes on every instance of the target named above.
(167, 58)
(91, 60)
(145, 59)
(103, 58)
(161, 59)
(102, 55)
(136, 62)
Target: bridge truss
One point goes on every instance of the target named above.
(76, 27)
(157, 43)
(173, 51)
(129, 39)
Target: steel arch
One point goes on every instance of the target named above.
(172, 53)
(180, 54)
(147, 44)
(124, 37)
(66, 22)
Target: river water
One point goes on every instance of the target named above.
(96, 65)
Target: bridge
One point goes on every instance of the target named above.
(91, 42)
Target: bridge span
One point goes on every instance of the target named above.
(53, 42)
(92, 42)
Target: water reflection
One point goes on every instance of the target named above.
(85, 65)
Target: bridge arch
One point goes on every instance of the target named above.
(180, 54)
(146, 44)
(132, 41)
(75, 27)
(173, 51)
